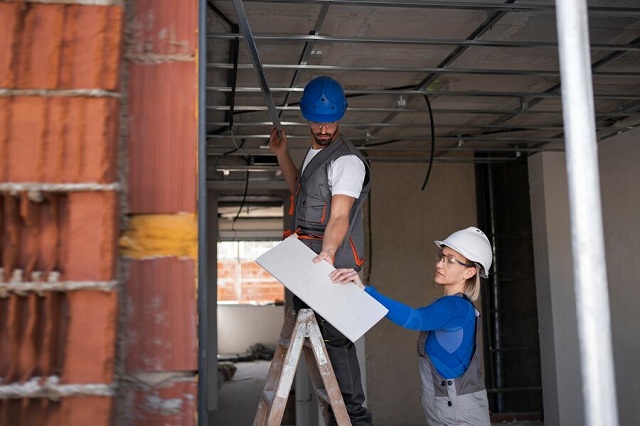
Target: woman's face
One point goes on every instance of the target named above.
(452, 267)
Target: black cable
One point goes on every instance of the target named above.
(433, 142)
(244, 198)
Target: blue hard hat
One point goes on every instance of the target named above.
(323, 100)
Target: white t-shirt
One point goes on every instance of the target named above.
(346, 174)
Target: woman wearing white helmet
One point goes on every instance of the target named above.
(453, 391)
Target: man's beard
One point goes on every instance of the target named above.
(324, 142)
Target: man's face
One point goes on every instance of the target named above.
(323, 133)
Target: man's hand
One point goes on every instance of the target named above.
(323, 255)
(278, 142)
(345, 276)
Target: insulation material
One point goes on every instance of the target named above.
(346, 307)
(161, 235)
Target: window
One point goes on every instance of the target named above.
(240, 279)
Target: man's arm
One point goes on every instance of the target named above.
(279, 146)
(337, 227)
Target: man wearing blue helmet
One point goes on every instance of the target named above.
(328, 192)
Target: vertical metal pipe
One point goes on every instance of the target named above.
(495, 297)
(203, 417)
(592, 298)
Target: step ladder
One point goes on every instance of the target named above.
(300, 334)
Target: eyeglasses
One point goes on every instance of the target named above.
(317, 125)
(451, 261)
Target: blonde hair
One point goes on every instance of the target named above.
(472, 285)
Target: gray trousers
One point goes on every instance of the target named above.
(344, 360)
(444, 405)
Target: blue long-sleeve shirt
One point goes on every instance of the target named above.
(451, 321)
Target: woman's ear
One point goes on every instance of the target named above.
(470, 272)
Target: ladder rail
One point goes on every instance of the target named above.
(300, 334)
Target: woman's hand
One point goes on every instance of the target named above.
(346, 275)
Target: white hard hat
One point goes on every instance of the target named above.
(472, 244)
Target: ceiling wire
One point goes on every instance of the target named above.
(433, 142)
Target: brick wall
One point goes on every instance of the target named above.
(256, 285)
(59, 113)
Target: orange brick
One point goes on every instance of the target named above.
(5, 134)
(26, 132)
(162, 322)
(59, 139)
(89, 353)
(38, 57)
(61, 46)
(92, 47)
(89, 236)
(83, 411)
(69, 411)
(9, 15)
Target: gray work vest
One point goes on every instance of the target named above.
(461, 401)
(312, 206)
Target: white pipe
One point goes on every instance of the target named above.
(592, 298)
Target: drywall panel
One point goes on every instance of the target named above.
(346, 307)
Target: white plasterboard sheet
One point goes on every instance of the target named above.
(352, 311)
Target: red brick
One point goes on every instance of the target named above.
(171, 404)
(89, 353)
(162, 138)
(89, 235)
(166, 28)
(162, 320)
(8, 25)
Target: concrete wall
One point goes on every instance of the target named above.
(405, 221)
(242, 326)
(619, 175)
(559, 352)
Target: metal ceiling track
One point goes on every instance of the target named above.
(418, 41)
(460, 5)
(257, 65)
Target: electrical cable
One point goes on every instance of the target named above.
(433, 142)
(244, 198)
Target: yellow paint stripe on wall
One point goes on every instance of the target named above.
(160, 235)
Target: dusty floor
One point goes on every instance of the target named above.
(238, 397)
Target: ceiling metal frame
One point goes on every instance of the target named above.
(528, 120)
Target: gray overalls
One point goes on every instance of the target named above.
(461, 401)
